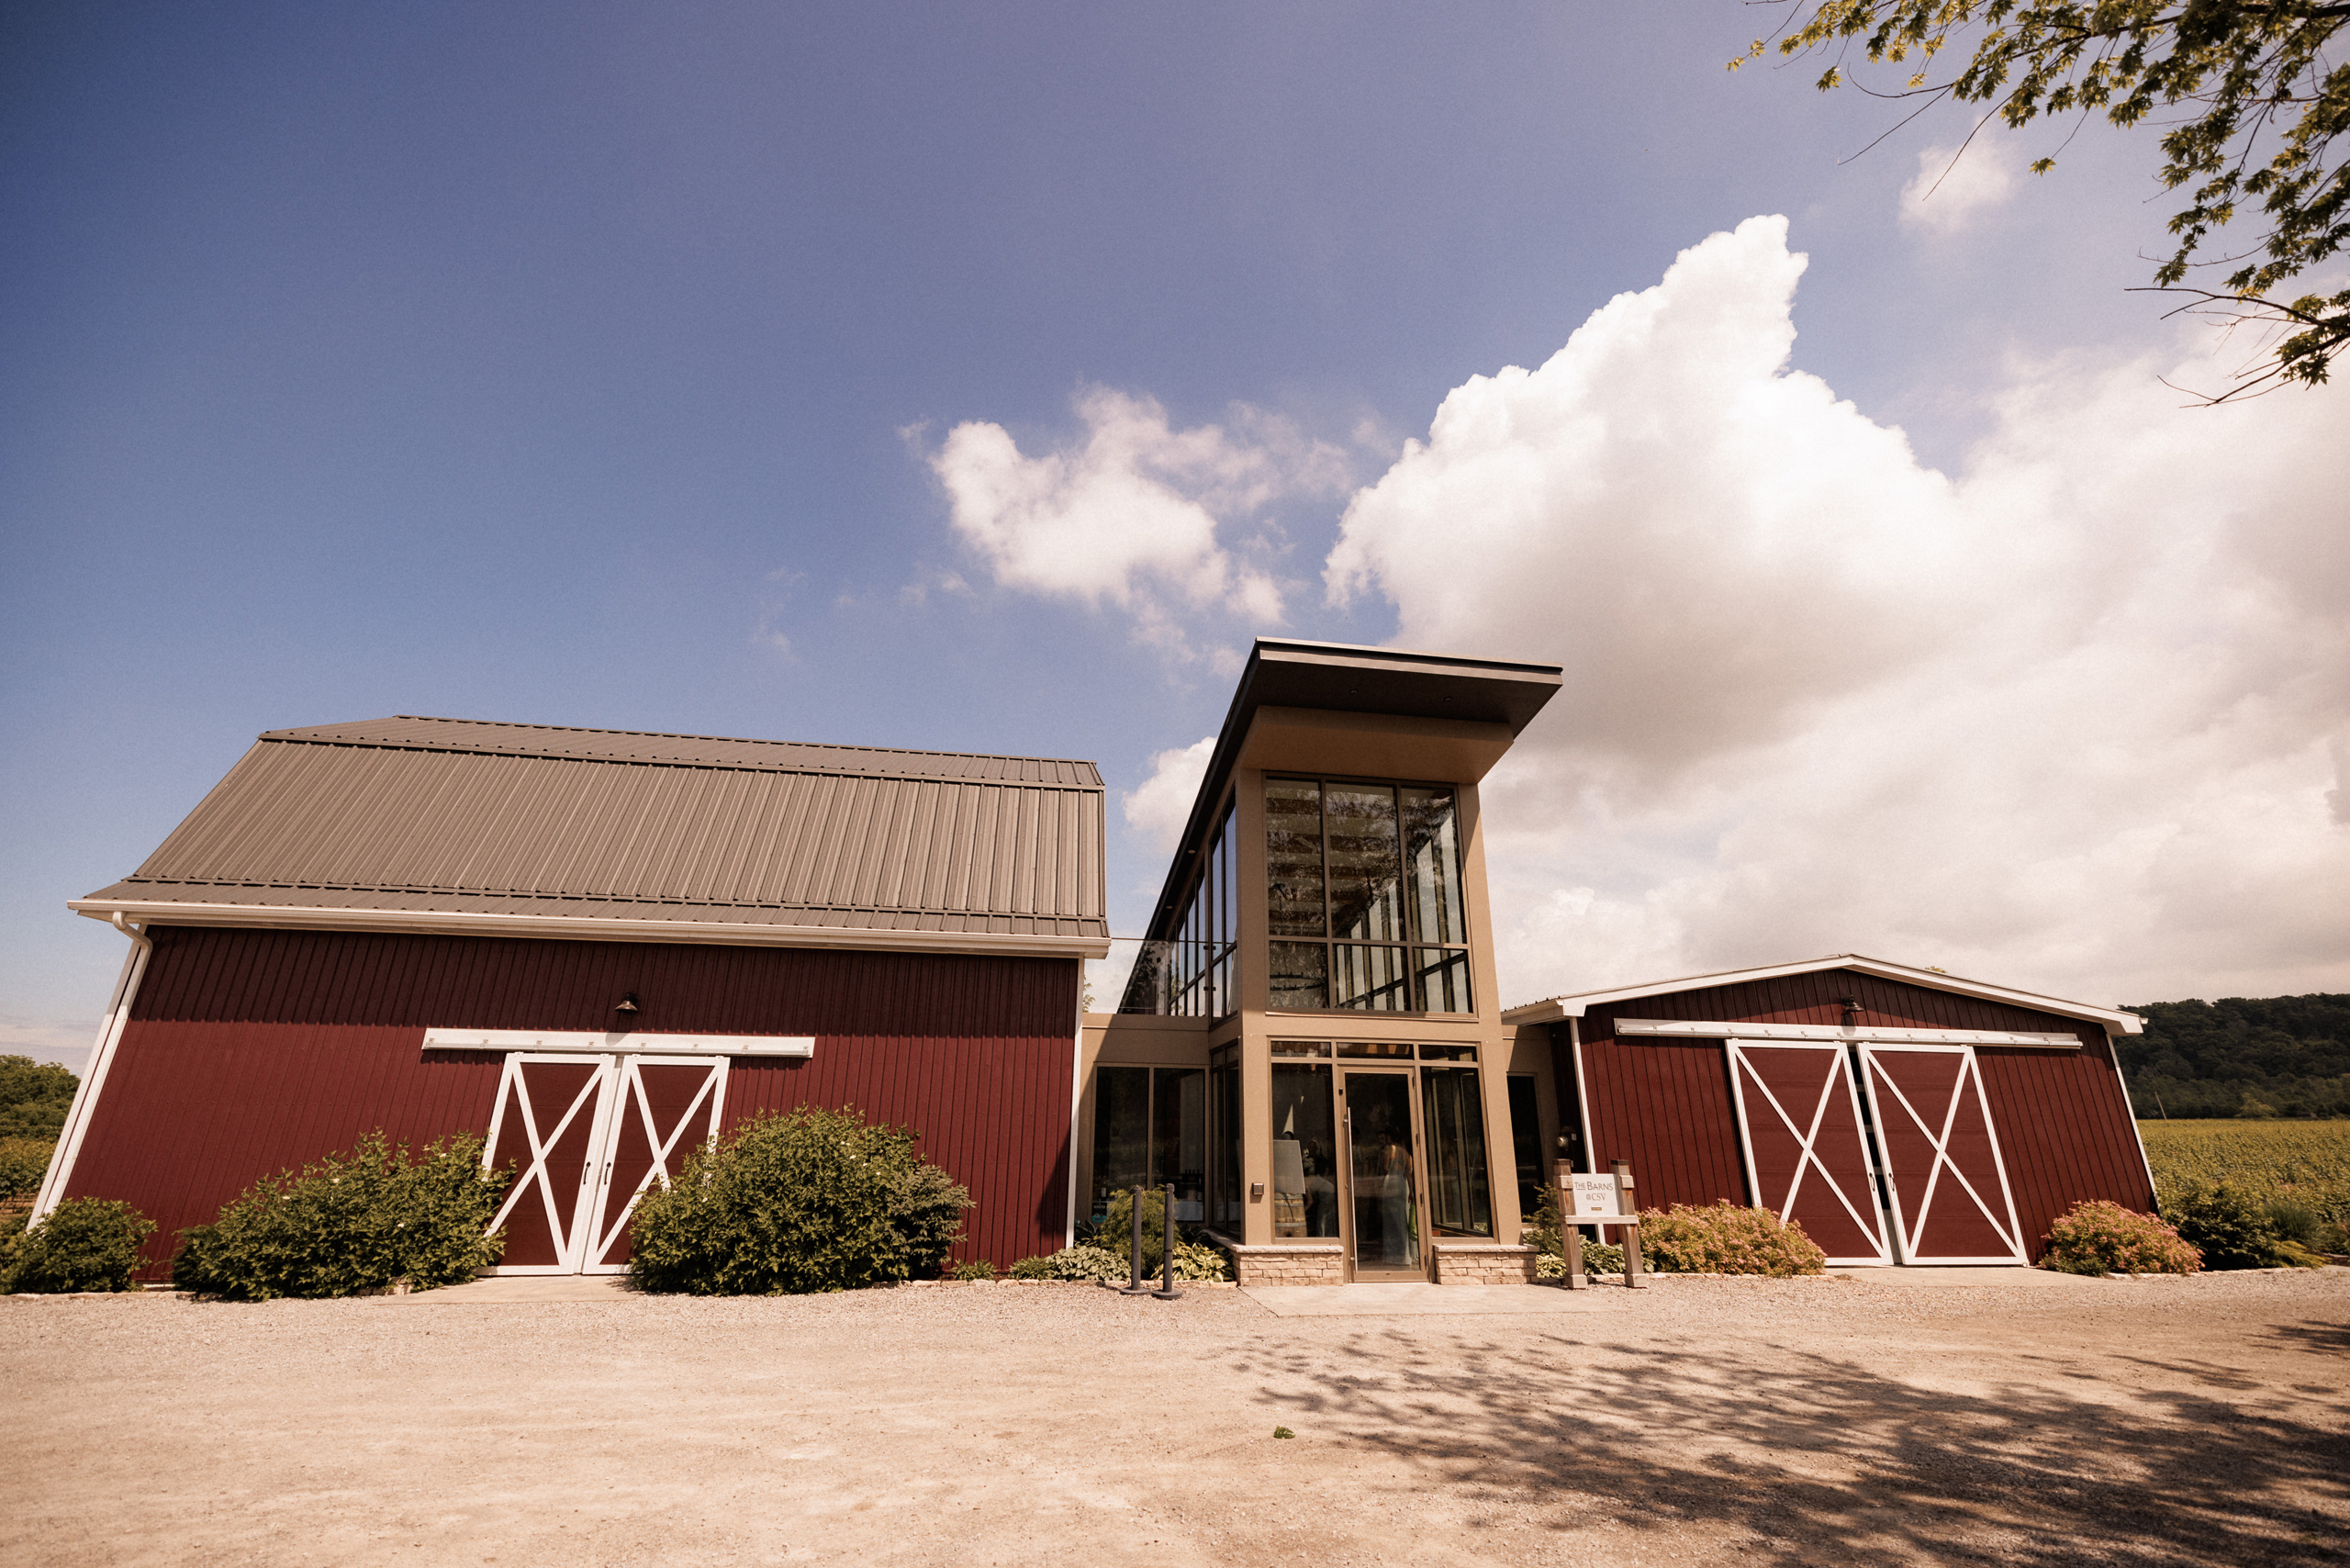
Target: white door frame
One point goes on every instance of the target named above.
(1905, 1234)
(631, 1100)
(595, 1097)
(1872, 1223)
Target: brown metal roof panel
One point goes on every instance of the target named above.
(419, 900)
(649, 746)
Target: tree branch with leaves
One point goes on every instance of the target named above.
(2262, 105)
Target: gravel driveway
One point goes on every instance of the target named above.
(2187, 1421)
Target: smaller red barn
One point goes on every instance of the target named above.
(1901, 1114)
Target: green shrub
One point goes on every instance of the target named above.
(1033, 1269)
(23, 1162)
(2235, 1230)
(980, 1269)
(2103, 1237)
(1114, 1235)
(1598, 1258)
(812, 1199)
(352, 1222)
(1722, 1238)
(1197, 1262)
(1081, 1263)
(1546, 1230)
(86, 1244)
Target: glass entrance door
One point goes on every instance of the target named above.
(1385, 1205)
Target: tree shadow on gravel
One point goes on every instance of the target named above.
(1799, 1457)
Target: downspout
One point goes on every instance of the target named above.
(1076, 1090)
(85, 1099)
(1582, 1095)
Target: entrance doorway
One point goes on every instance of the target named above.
(585, 1135)
(1385, 1205)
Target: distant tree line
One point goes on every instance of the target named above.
(2277, 1056)
(34, 1097)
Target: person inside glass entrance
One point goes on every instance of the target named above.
(1386, 1221)
(1305, 1156)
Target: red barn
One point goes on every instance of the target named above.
(1903, 1115)
(596, 947)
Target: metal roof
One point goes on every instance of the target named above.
(443, 816)
(1348, 679)
(1573, 1003)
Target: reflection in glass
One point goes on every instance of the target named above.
(1526, 1144)
(1366, 897)
(1370, 979)
(1396, 1050)
(1432, 851)
(1300, 1048)
(1224, 1138)
(1179, 1139)
(1443, 980)
(1297, 972)
(1380, 1174)
(1458, 1201)
(1305, 1153)
(1121, 1132)
(1293, 857)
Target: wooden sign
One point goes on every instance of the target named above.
(1593, 1198)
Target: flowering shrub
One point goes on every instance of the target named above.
(813, 1200)
(86, 1244)
(352, 1222)
(1722, 1238)
(2103, 1237)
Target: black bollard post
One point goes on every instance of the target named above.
(1167, 1291)
(1133, 1251)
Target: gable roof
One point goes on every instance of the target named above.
(420, 823)
(1574, 1003)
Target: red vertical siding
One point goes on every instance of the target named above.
(249, 1052)
(1666, 1108)
(2064, 1126)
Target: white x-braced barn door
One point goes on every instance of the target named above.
(1943, 1169)
(667, 1105)
(586, 1134)
(1807, 1155)
(549, 1126)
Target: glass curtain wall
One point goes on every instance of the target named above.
(1224, 1197)
(1150, 1128)
(1459, 1199)
(1364, 897)
(1192, 976)
(1306, 1141)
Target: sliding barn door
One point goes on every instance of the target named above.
(1949, 1188)
(665, 1107)
(550, 1127)
(1807, 1154)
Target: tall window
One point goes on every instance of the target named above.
(1363, 896)
(1192, 975)
(1150, 1128)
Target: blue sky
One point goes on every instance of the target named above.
(601, 365)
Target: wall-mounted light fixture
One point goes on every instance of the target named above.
(1851, 1008)
(626, 1003)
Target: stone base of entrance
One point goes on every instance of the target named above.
(1483, 1263)
(1288, 1265)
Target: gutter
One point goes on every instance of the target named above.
(85, 1098)
(585, 928)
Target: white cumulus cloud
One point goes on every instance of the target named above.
(1954, 186)
(1161, 804)
(2073, 718)
(1130, 515)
